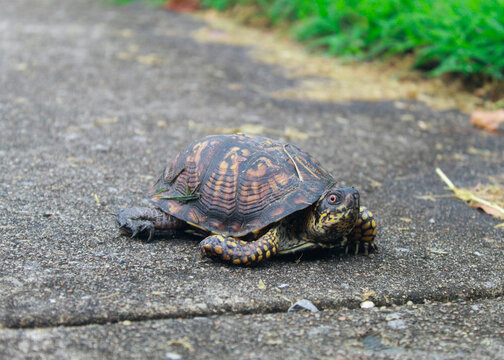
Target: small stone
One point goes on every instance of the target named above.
(202, 306)
(409, 303)
(303, 305)
(432, 220)
(475, 307)
(282, 286)
(173, 356)
(367, 304)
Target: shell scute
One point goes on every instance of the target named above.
(239, 184)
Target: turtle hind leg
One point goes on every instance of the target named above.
(361, 239)
(145, 222)
(239, 252)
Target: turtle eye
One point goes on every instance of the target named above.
(335, 198)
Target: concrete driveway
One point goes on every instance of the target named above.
(95, 100)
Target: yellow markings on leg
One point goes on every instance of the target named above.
(240, 252)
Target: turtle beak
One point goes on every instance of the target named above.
(352, 198)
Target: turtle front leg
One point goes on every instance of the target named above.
(363, 233)
(143, 221)
(235, 251)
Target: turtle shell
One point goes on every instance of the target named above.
(239, 184)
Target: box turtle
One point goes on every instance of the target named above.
(252, 198)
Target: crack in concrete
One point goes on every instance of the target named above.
(261, 309)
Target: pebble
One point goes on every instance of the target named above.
(367, 304)
(173, 356)
(303, 305)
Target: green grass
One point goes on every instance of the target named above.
(465, 37)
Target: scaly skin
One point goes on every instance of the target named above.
(241, 252)
(138, 221)
(363, 233)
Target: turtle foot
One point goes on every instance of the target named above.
(361, 239)
(131, 224)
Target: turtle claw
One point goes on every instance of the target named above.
(136, 228)
(140, 227)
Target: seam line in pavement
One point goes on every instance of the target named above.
(260, 310)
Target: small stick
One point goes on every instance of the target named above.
(466, 195)
(295, 165)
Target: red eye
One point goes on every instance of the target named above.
(334, 198)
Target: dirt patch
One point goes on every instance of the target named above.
(322, 78)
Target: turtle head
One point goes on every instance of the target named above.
(334, 215)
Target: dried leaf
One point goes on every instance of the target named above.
(261, 285)
(375, 183)
(368, 294)
(489, 120)
(184, 342)
(489, 210)
(488, 198)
